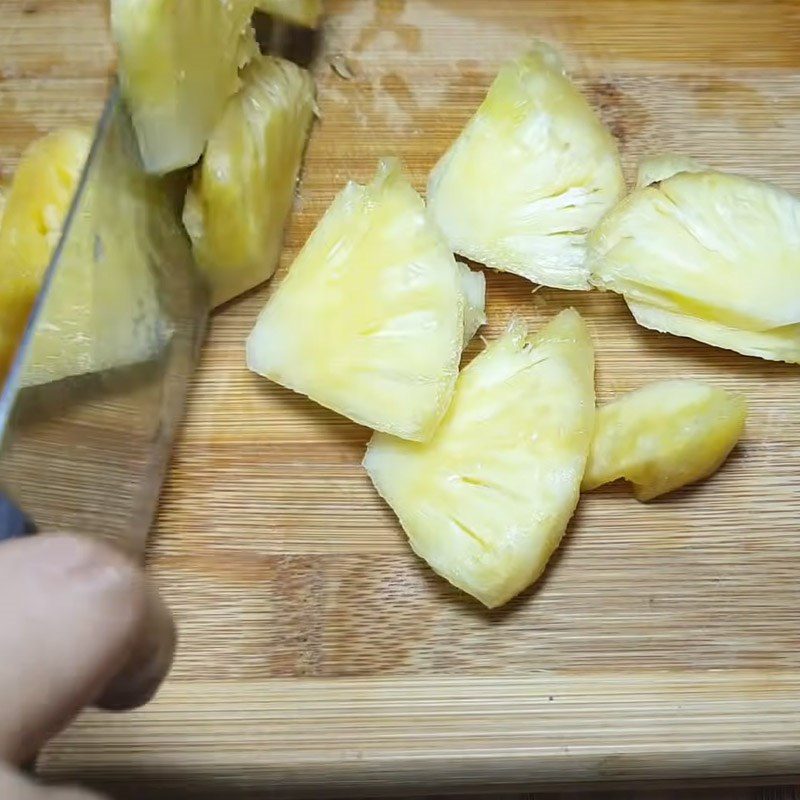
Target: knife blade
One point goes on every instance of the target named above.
(94, 397)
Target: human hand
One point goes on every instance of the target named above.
(79, 626)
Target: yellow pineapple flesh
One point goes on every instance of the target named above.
(300, 12)
(487, 501)
(473, 285)
(38, 202)
(532, 173)
(370, 319)
(664, 436)
(710, 254)
(178, 64)
(243, 192)
(657, 168)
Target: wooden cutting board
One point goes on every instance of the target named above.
(317, 653)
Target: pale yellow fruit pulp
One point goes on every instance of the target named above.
(711, 256)
(179, 63)
(38, 202)
(664, 436)
(243, 192)
(532, 173)
(370, 319)
(487, 500)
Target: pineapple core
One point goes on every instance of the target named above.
(242, 194)
(37, 204)
(179, 63)
(487, 500)
(664, 436)
(300, 12)
(532, 173)
(370, 320)
(708, 255)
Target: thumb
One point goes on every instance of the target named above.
(14, 786)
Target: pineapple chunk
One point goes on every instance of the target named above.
(718, 248)
(300, 12)
(369, 320)
(473, 285)
(237, 208)
(654, 169)
(38, 202)
(533, 172)
(3, 200)
(487, 500)
(178, 64)
(664, 436)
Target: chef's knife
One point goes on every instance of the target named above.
(91, 404)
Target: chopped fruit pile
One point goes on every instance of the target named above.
(244, 189)
(664, 436)
(530, 176)
(484, 468)
(708, 255)
(487, 500)
(370, 319)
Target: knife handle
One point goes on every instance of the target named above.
(13, 523)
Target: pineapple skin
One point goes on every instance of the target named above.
(664, 436)
(707, 246)
(38, 201)
(370, 319)
(300, 12)
(531, 174)
(487, 501)
(657, 168)
(237, 207)
(178, 65)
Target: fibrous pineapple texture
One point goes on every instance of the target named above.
(711, 256)
(664, 436)
(370, 320)
(179, 63)
(243, 192)
(487, 500)
(654, 169)
(300, 12)
(38, 201)
(532, 173)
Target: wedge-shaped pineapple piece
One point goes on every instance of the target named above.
(38, 202)
(369, 320)
(709, 246)
(654, 169)
(473, 284)
(487, 500)
(532, 173)
(300, 12)
(243, 192)
(178, 65)
(664, 436)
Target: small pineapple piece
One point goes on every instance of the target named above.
(3, 200)
(300, 12)
(654, 169)
(487, 500)
(707, 246)
(532, 173)
(178, 64)
(664, 436)
(236, 210)
(37, 205)
(370, 319)
(473, 285)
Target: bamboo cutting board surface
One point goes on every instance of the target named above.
(318, 654)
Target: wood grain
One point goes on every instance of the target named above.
(318, 655)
